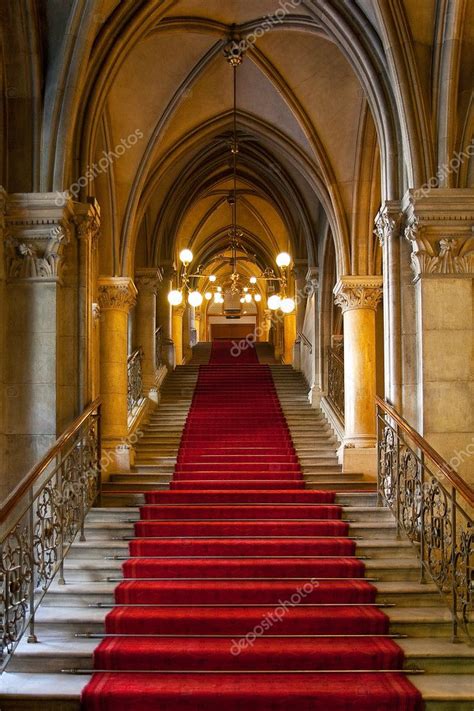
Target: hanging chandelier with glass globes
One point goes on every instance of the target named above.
(248, 293)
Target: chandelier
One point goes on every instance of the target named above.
(248, 293)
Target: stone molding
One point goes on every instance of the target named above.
(358, 292)
(388, 221)
(148, 279)
(440, 228)
(37, 231)
(117, 293)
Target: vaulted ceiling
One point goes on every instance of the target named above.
(340, 104)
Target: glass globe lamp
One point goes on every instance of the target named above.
(274, 302)
(175, 297)
(195, 299)
(287, 305)
(283, 260)
(186, 256)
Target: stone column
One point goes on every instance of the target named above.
(147, 282)
(117, 295)
(440, 231)
(311, 361)
(164, 316)
(358, 298)
(87, 220)
(289, 337)
(41, 327)
(177, 332)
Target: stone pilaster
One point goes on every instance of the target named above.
(164, 315)
(116, 297)
(40, 262)
(87, 220)
(358, 297)
(177, 332)
(388, 225)
(311, 358)
(439, 230)
(148, 282)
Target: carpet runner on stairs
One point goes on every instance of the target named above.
(242, 587)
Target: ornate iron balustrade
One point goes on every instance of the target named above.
(40, 520)
(433, 507)
(158, 347)
(135, 380)
(336, 382)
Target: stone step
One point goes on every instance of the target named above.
(56, 652)
(61, 692)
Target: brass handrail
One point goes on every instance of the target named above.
(38, 470)
(432, 506)
(459, 484)
(41, 518)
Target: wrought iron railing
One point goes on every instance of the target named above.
(159, 347)
(135, 380)
(433, 507)
(336, 382)
(40, 520)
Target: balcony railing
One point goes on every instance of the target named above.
(433, 507)
(40, 520)
(135, 380)
(336, 382)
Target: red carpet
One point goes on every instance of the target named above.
(242, 587)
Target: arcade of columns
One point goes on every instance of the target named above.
(66, 327)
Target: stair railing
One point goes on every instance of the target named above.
(135, 380)
(433, 507)
(40, 520)
(336, 382)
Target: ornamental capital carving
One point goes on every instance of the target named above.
(117, 293)
(148, 279)
(312, 280)
(87, 221)
(37, 231)
(358, 292)
(388, 221)
(440, 227)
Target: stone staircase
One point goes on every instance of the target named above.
(51, 673)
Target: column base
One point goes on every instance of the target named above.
(117, 457)
(314, 396)
(359, 460)
(296, 356)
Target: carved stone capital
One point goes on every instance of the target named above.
(358, 292)
(95, 312)
(439, 227)
(37, 231)
(388, 221)
(87, 221)
(117, 293)
(148, 279)
(312, 280)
